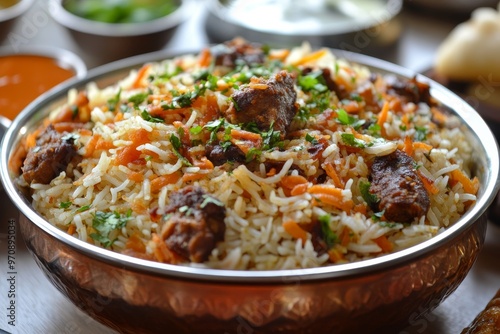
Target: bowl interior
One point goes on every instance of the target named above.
(486, 168)
(15, 10)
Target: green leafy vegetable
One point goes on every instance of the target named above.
(138, 98)
(311, 139)
(176, 146)
(313, 81)
(113, 102)
(106, 222)
(65, 205)
(147, 117)
(345, 119)
(329, 236)
(370, 199)
(349, 139)
(209, 199)
(420, 133)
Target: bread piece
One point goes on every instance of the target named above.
(472, 49)
(488, 321)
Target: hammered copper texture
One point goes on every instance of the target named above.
(137, 302)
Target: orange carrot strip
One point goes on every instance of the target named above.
(382, 117)
(428, 183)
(192, 177)
(311, 57)
(71, 229)
(162, 181)
(103, 144)
(118, 117)
(205, 57)
(408, 146)
(299, 189)
(141, 75)
(291, 227)
(384, 243)
(279, 54)
(203, 163)
(134, 242)
(332, 173)
(91, 144)
(470, 186)
(338, 202)
(345, 237)
(271, 172)
(245, 135)
(335, 255)
(325, 189)
(422, 146)
(361, 208)
(136, 177)
(31, 138)
(290, 181)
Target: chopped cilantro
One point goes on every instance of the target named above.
(196, 130)
(176, 146)
(350, 140)
(147, 117)
(271, 138)
(65, 205)
(370, 199)
(138, 98)
(209, 199)
(345, 119)
(313, 81)
(420, 133)
(374, 130)
(83, 208)
(329, 236)
(113, 102)
(252, 154)
(311, 139)
(387, 224)
(106, 222)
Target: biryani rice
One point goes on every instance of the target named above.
(256, 202)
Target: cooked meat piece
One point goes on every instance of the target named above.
(410, 90)
(195, 224)
(488, 321)
(51, 155)
(219, 156)
(273, 102)
(401, 192)
(238, 50)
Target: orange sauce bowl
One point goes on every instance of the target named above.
(28, 72)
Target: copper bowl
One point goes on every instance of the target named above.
(378, 295)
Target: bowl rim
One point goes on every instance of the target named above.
(468, 115)
(219, 10)
(80, 24)
(15, 10)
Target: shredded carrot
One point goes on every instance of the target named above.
(141, 76)
(382, 118)
(139, 206)
(345, 236)
(85, 132)
(361, 208)
(271, 172)
(162, 253)
(311, 57)
(299, 189)
(245, 135)
(136, 177)
(384, 243)
(293, 228)
(428, 183)
(205, 58)
(290, 181)
(71, 229)
(192, 177)
(203, 163)
(408, 146)
(418, 145)
(325, 189)
(130, 153)
(31, 138)
(438, 116)
(91, 144)
(103, 144)
(332, 173)
(163, 180)
(279, 54)
(470, 186)
(338, 202)
(65, 115)
(335, 255)
(118, 117)
(134, 242)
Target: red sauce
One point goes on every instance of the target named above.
(24, 77)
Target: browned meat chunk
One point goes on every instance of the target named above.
(400, 190)
(409, 90)
(51, 155)
(194, 225)
(488, 321)
(266, 103)
(238, 50)
(219, 156)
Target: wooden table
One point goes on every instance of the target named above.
(40, 308)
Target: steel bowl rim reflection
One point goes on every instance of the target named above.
(465, 112)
